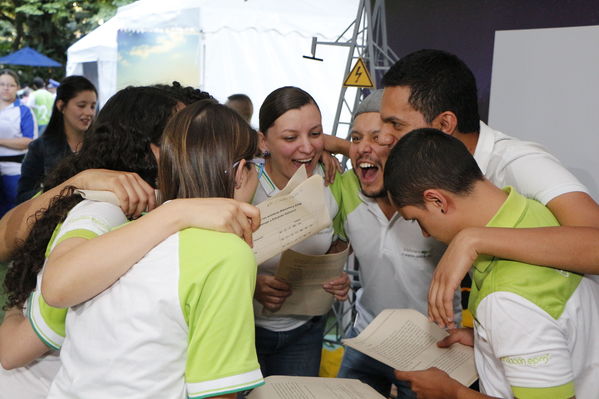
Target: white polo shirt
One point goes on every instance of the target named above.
(396, 260)
(524, 165)
(535, 327)
(178, 324)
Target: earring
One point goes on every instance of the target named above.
(265, 154)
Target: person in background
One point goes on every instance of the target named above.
(242, 104)
(72, 114)
(40, 101)
(17, 129)
(52, 86)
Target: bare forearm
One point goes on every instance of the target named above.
(18, 343)
(17, 223)
(66, 283)
(336, 145)
(19, 143)
(570, 248)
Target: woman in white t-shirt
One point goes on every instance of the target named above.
(291, 136)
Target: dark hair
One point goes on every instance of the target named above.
(280, 101)
(38, 83)
(425, 159)
(242, 104)
(200, 145)
(187, 95)
(69, 88)
(438, 82)
(119, 139)
(12, 74)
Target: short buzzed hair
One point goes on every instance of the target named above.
(429, 159)
(242, 104)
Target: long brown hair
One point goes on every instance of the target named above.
(199, 147)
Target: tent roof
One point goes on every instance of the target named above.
(210, 16)
(28, 56)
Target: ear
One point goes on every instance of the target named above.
(240, 174)
(156, 151)
(447, 122)
(436, 201)
(262, 143)
(59, 105)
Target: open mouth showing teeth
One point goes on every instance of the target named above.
(368, 170)
(303, 161)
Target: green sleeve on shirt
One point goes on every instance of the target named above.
(216, 287)
(565, 391)
(345, 190)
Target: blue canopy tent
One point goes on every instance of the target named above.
(28, 56)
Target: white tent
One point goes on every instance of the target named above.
(248, 46)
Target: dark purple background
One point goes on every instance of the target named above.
(467, 27)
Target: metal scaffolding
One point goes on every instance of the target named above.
(368, 42)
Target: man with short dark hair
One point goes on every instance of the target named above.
(432, 88)
(534, 331)
(396, 263)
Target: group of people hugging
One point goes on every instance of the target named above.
(160, 296)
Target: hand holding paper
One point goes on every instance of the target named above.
(405, 340)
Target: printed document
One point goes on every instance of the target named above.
(288, 387)
(406, 340)
(306, 274)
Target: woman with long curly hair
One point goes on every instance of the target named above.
(125, 136)
(180, 321)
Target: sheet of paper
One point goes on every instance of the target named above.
(294, 214)
(291, 218)
(104, 196)
(306, 274)
(406, 340)
(288, 387)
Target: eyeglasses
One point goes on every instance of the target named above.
(9, 85)
(258, 164)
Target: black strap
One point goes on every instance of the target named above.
(12, 158)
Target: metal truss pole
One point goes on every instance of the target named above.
(369, 42)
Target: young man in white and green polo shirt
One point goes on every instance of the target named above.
(396, 263)
(534, 333)
(181, 319)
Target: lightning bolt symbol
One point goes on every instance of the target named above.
(358, 73)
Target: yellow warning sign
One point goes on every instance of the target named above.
(359, 76)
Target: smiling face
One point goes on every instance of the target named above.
(79, 111)
(8, 88)
(295, 139)
(367, 156)
(399, 118)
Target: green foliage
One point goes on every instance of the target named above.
(50, 27)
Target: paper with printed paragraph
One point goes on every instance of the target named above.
(294, 214)
(306, 274)
(288, 387)
(406, 340)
